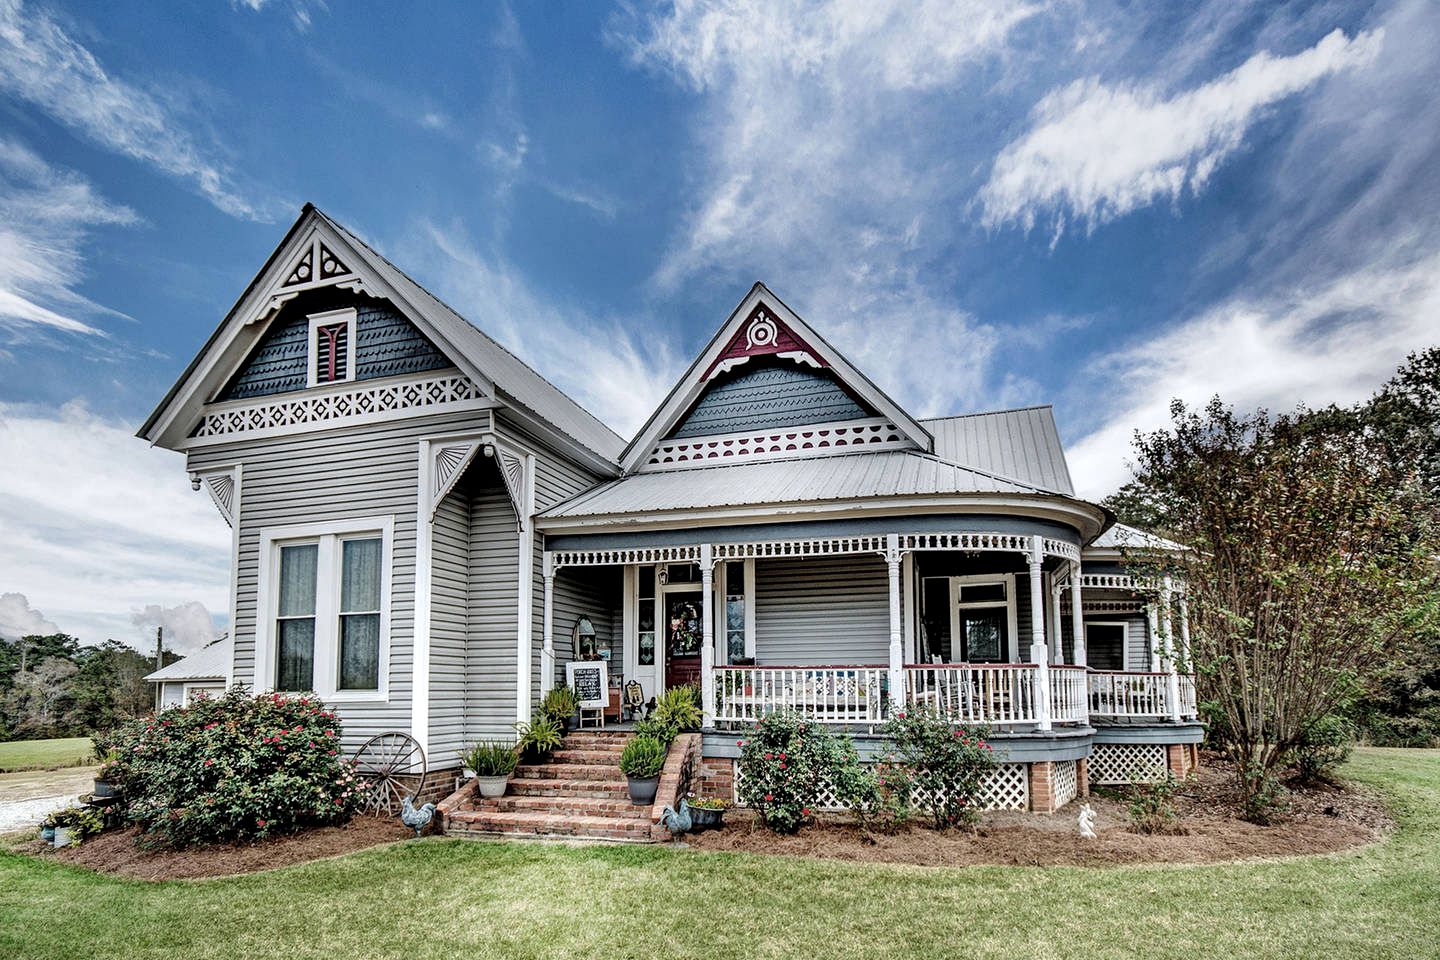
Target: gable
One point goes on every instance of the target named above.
(769, 396)
(768, 386)
(386, 345)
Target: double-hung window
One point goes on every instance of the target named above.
(327, 594)
(737, 619)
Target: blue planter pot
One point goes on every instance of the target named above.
(47, 834)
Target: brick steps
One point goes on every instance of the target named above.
(578, 792)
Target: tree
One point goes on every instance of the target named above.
(1307, 563)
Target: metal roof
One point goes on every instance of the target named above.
(211, 662)
(897, 473)
(1120, 537)
(511, 375)
(1023, 444)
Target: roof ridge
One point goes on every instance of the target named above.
(465, 320)
(989, 413)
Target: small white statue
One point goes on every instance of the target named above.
(1087, 821)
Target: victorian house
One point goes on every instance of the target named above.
(425, 531)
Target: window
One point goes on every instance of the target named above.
(332, 347)
(645, 616)
(326, 588)
(968, 619)
(737, 583)
(1105, 644)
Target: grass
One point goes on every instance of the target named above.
(45, 754)
(456, 898)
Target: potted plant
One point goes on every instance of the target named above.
(641, 761)
(706, 812)
(73, 824)
(560, 704)
(47, 829)
(491, 762)
(538, 737)
(106, 783)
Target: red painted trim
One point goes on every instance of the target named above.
(762, 334)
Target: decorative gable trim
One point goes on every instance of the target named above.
(317, 265)
(861, 436)
(797, 341)
(221, 487)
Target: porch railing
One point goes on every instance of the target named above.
(1069, 694)
(829, 694)
(1119, 695)
(997, 694)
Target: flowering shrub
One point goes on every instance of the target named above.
(234, 768)
(877, 794)
(945, 766)
(785, 767)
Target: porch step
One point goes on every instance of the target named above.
(611, 806)
(551, 787)
(587, 756)
(604, 772)
(548, 824)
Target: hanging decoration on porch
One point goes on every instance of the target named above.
(683, 628)
(762, 335)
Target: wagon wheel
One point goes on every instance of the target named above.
(385, 764)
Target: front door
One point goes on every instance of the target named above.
(682, 637)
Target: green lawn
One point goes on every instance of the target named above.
(45, 754)
(446, 899)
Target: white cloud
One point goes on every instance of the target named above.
(44, 217)
(96, 524)
(18, 619)
(1096, 151)
(1333, 343)
(188, 626)
(42, 64)
(618, 369)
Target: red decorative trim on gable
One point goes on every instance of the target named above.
(763, 335)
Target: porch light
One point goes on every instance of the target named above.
(488, 450)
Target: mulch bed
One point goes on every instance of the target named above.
(1321, 819)
(116, 851)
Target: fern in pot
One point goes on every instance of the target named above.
(641, 761)
(560, 704)
(492, 763)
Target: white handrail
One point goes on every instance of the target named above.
(1138, 695)
(828, 694)
(1069, 700)
(995, 694)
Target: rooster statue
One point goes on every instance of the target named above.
(677, 822)
(416, 819)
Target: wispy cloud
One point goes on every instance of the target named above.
(1097, 151)
(97, 525)
(45, 216)
(299, 9)
(19, 619)
(187, 626)
(42, 64)
(1315, 345)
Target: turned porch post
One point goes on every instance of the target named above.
(707, 636)
(547, 649)
(1038, 653)
(1185, 629)
(1077, 615)
(897, 654)
(1172, 670)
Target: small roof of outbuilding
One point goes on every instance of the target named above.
(1022, 443)
(1122, 537)
(210, 662)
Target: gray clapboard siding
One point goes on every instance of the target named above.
(822, 610)
(493, 619)
(769, 396)
(449, 627)
(594, 592)
(363, 471)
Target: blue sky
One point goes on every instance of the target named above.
(987, 203)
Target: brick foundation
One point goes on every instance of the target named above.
(1181, 759)
(1042, 787)
(1082, 778)
(715, 777)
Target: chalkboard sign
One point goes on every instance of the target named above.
(590, 681)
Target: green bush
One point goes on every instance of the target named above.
(559, 704)
(785, 767)
(1322, 748)
(491, 758)
(679, 707)
(945, 766)
(657, 728)
(234, 768)
(642, 758)
(1152, 806)
(1263, 798)
(877, 794)
(539, 737)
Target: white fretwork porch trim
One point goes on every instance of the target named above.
(689, 553)
(817, 547)
(434, 394)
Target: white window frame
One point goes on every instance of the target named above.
(1124, 626)
(329, 536)
(1007, 580)
(722, 588)
(329, 319)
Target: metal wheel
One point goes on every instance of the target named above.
(386, 765)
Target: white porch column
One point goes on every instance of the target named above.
(707, 636)
(1185, 629)
(1038, 653)
(547, 650)
(1077, 616)
(1053, 628)
(1172, 673)
(897, 652)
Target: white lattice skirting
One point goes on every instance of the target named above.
(1007, 789)
(1065, 782)
(1127, 763)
